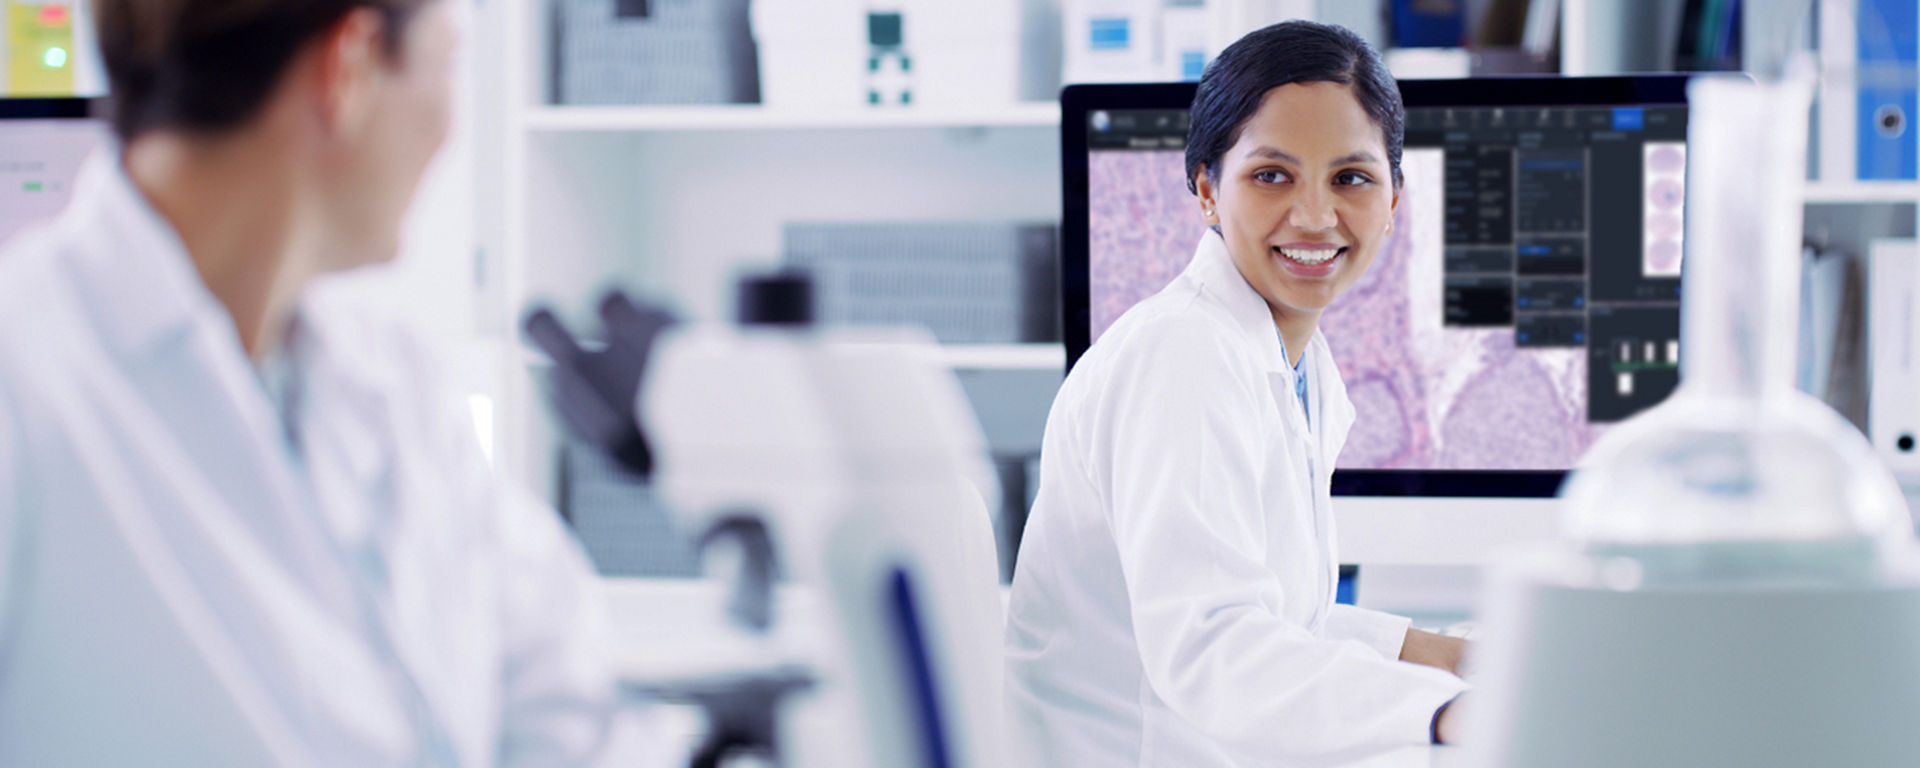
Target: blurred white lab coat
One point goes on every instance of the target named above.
(184, 580)
(1173, 603)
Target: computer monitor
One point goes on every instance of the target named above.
(42, 145)
(1527, 298)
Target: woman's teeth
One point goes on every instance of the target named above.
(1310, 255)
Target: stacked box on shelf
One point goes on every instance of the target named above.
(653, 52)
(967, 282)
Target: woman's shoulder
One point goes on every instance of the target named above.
(1181, 332)
(362, 339)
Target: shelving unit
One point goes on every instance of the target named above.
(674, 202)
(960, 357)
(1009, 357)
(753, 117)
(1841, 193)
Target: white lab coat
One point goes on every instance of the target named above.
(181, 585)
(1173, 602)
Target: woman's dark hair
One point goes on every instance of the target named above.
(1288, 52)
(208, 66)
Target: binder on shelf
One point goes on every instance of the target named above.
(1885, 135)
(1868, 90)
(1429, 23)
(1893, 410)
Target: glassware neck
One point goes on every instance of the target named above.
(1742, 273)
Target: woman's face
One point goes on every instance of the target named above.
(1304, 198)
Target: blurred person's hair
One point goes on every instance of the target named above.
(207, 67)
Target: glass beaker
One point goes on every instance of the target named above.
(1739, 477)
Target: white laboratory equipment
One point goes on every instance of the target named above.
(859, 453)
(888, 53)
(1741, 587)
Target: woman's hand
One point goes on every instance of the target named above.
(1434, 650)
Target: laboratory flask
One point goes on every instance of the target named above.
(1737, 583)
(1740, 476)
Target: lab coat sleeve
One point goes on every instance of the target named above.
(557, 694)
(1383, 632)
(1184, 465)
(560, 703)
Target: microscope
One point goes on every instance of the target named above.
(847, 460)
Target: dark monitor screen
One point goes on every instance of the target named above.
(1528, 297)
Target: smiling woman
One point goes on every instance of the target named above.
(1298, 167)
(1173, 602)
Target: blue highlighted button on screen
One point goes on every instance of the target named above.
(1629, 118)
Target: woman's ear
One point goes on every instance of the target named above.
(1393, 209)
(1203, 186)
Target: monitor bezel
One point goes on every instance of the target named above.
(1078, 101)
(46, 108)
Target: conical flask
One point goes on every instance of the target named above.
(1739, 476)
(1738, 587)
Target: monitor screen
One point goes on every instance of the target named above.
(42, 145)
(1527, 298)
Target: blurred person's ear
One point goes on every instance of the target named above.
(351, 64)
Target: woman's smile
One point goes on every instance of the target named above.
(1310, 259)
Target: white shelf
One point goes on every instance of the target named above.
(963, 357)
(1863, 192)
(754, 117)
(1041, 356)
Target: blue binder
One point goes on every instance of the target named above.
(1885, 140)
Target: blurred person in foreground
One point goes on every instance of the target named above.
(240, 522)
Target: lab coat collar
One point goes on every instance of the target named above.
(135, 264)
(1213, 270)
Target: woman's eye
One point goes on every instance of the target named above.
(1351, 178)
(1270, 177)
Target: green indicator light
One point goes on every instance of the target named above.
(56, 57)
(31, 186)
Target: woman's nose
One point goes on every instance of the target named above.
(1312, 211)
